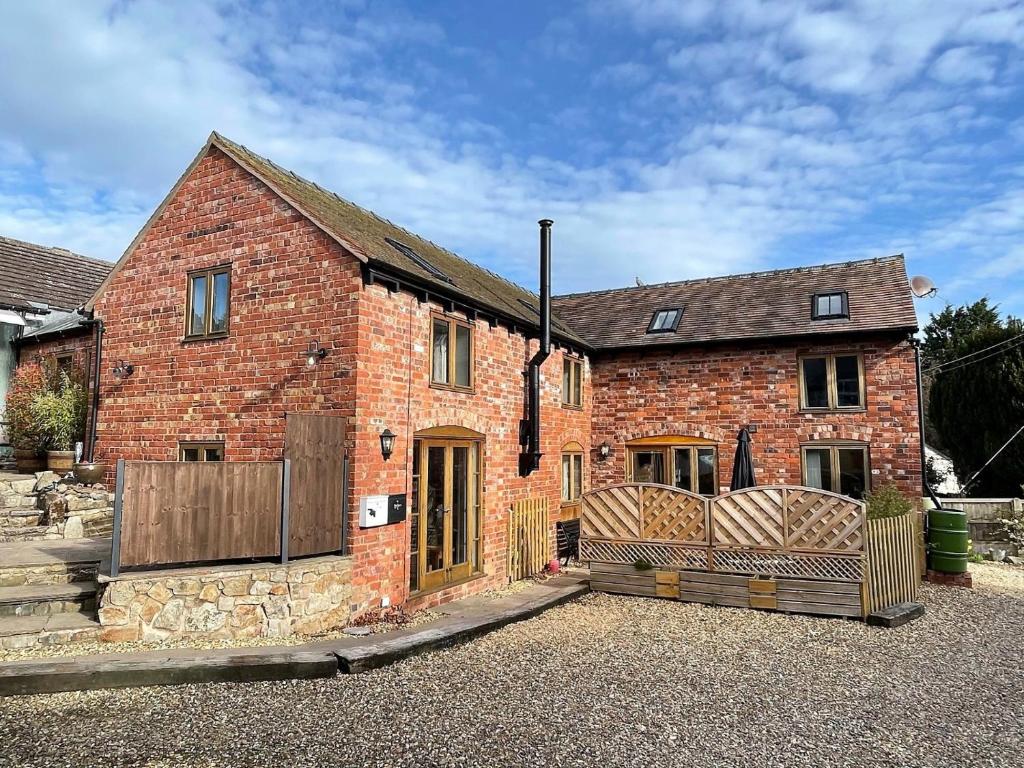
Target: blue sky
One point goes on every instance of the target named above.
(667, 139)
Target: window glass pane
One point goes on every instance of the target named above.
(414, 521)
(847, 381)
(197, 323)
(852, 472)
(648, 467)
(214, 453)
(219, 319)
(818, 468)
(566, 479)
(435, 508)
(671, 318)
(190, 454)
(683, 469)
(706, 471)
(566, 380)
(460, 505)
(815, 382)
(577, 476)
(577, 383)
(462, 355)
(439, 373)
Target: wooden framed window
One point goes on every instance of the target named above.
(838, 467)
(451, 353)
(572, 476)
(572, 381)
(692, 466)
(209, 303)
(830, 306)
(832, 382)
(200, 451)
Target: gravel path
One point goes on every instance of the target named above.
(604, 681)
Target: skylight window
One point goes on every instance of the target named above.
(418, 260)
(665, 321)
(828, 306)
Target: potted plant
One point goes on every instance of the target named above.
(28, 382)
(59, 413)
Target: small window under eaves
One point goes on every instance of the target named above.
(418, 260)
(665, 321)
(830, 306)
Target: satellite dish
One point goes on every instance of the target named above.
(922, 286)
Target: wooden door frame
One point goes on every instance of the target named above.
(449, 574)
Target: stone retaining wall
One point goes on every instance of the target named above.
(305, 597)
(46, 506)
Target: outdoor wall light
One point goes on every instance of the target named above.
(314, 354)
(387, 443)
(604, 450)
(123, 369)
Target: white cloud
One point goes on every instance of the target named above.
(964, 65)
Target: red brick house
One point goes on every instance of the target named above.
(252, 293)
(818, 360)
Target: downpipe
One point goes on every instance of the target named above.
(529, 460)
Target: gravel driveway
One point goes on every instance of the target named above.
(604, 681)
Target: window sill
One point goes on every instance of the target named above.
(453, 388)
(828, 411)
(425, 592)
(210, 337)
(571, 407)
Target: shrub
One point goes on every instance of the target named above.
(59, 412)
(887, 501)
(28, 383)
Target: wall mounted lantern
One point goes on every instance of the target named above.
(314, 353)
(387, 443)
(604, 450)
(123, 369)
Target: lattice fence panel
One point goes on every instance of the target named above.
(657, 554)
(612, 512)
(751, 518)
(827, 567)
(671, 515)
(823, 521)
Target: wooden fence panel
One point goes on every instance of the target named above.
(181, 512)
(315, 444)
(749, 518)
(893, 576)
(613, 512)
(528, 538)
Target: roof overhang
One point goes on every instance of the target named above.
(10, 317)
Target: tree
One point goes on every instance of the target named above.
(977, 404)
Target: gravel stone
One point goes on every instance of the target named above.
(603, 681)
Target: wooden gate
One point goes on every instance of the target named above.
(528, 546)
(315, 446)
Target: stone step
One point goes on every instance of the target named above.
(47, 599)
(27, 533)
(51, 562)
(60, 628)
(20, 518)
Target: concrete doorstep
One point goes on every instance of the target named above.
(466, 619)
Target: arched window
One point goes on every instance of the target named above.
(690, 463)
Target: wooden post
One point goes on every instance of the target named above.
(286, 486)
(344, 503)
(115, 540)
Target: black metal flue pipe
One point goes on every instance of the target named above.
(529, 460)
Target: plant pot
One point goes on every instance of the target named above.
(90, 473)
(60, 461)
(29, 460)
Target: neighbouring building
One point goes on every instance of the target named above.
(40, 290)
(251, 294)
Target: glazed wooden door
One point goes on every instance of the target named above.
(446, 506)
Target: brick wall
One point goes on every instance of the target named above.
(711, 392)
(394, 391)
(290, 284)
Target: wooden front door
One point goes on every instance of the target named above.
(446, 510)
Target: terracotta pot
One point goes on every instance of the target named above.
(90, 473)
(28, 460)
(60, 461)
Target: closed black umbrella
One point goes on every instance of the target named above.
(743, 465)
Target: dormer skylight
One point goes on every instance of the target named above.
(418, 260)
(829, 306)
(665, 320)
